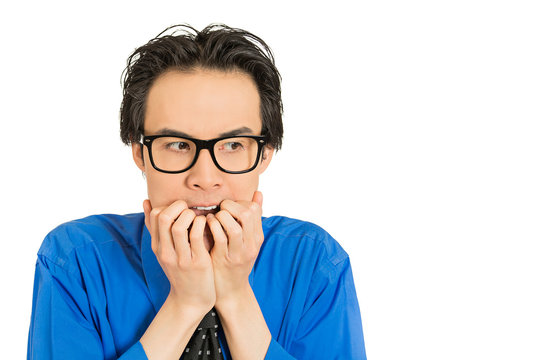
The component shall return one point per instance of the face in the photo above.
(203, 104)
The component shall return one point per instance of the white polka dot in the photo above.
(213, 314)
(203, 337)
(216, 335)
(216, 326)
(220, 350)
(199, 353)
(208, 352)
(187, 349)
(198, 329)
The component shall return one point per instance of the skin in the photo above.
(207, 257)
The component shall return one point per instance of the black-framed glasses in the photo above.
(231, 154)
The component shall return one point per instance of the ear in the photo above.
(266, 156)
(138, 156)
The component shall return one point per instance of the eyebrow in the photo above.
(240, 131)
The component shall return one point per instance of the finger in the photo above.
(179, 233)
(258, 236)
(154, 230)
(147, 210)
(234, 208)
(220, 247)
(233, 230)
(243, 211)
(258, 199)
(165, 221)
(197, 244)
(248, 215)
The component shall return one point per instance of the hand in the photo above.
(177, 241)
(238, 235)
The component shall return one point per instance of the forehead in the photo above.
(203, 103)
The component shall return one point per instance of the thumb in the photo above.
(258, 198)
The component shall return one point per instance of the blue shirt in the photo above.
(98, 286)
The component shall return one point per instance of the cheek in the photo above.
(243, 186)
(163, 189)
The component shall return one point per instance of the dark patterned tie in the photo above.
(204, 343)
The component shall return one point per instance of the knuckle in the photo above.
(194, 238)
(254, 207)
(248, 214)
(220, 240)
(179, 231)
(165, 258)
(250, 253)
(198, 228)
(222, 214)
(200, 219)
(183, 263)
(165, 219)
(185, 219)
(181, 203)
(203, 263)
(231, 258)
(188, 213)
(236, 232)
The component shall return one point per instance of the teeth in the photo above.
(205, 207)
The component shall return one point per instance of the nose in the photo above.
(204, 175)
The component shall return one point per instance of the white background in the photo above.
(418, 133)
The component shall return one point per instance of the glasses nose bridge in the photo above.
(204, 144)
(207, 145)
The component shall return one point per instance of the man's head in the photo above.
(201, 85)
(217, 47)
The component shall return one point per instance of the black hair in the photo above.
(217, 47)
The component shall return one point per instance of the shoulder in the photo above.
(92, 232)
(305, 238)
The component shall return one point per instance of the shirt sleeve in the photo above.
(61, 322)
(330, 326)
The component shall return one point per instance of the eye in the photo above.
(179, 146)
(232, 146)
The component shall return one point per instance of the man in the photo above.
(200, 274)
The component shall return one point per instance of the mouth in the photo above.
(204, 210)
(205, 207)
